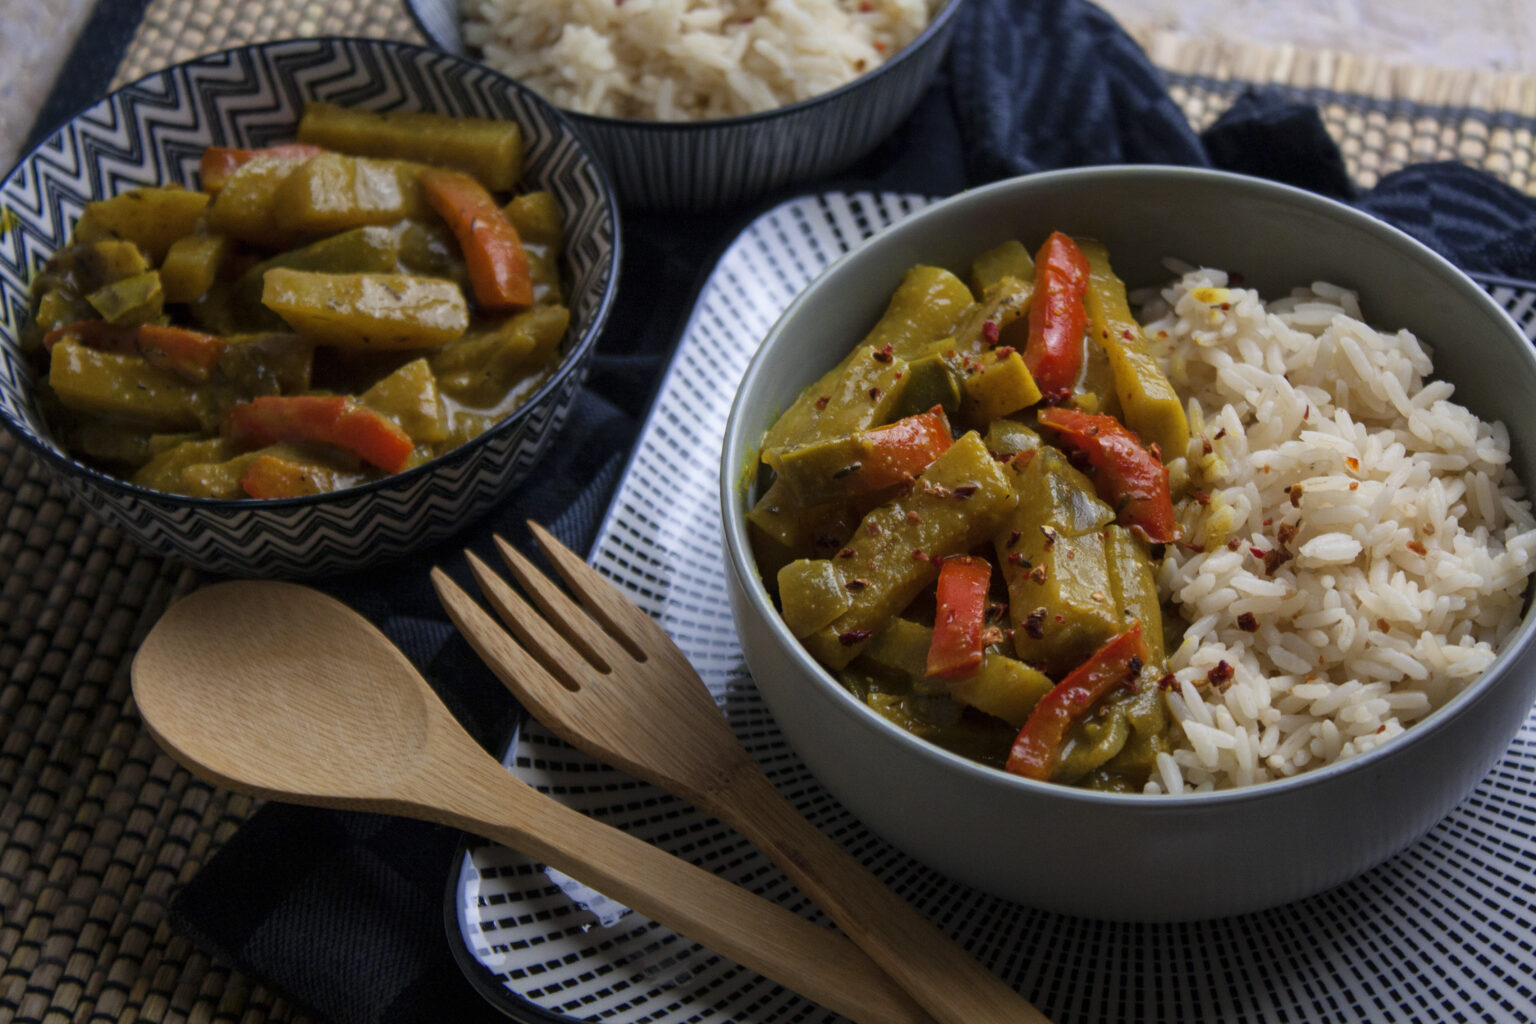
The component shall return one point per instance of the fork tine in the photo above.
(571, 665)
(528, 680)
(625, 621)
(591, 635)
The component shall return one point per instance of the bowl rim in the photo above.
(735, 467)
(937, 25)
(569, 363)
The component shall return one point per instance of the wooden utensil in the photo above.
(280, 691)
(607, 679)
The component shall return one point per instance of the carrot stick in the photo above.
(498, 266)
(192, 354)
(219, 162)
(326, 419)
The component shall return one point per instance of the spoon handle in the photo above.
(947, 981)
(777, 943)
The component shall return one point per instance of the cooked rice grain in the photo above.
(683, 60)
(1406, 542)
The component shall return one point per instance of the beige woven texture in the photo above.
(99, 828)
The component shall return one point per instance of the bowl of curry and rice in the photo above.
(1140, 543)
(701, 104)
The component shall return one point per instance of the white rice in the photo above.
(682, 60)
(1409, 541)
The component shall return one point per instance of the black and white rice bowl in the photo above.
(1187, 856)
(694, 166)
(153, 132)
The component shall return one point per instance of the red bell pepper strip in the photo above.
(325, 419)
(1057, 317)
(498, 266)
(219, 162)
(1128, 476)
(192, 354)
(902, 450)
(1037, 750)
(956, 649)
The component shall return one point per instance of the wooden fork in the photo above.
(608, 680)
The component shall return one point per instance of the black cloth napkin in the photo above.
(345, 912)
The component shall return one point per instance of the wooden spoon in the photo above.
(280, 691)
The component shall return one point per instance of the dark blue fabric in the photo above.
(324, 904)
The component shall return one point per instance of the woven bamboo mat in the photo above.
(98, 827)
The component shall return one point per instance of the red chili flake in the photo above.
(899, 374)
(845, 553)
(854, 636)
(1354, 485)
(1202, 497)
(1168, 681)
(884, 355)
(1221, 433)
(918, 556)
(879, 46)
(1295, 492)
(913, 517)
(1017, 558)
(1156, 450)
(1226, 305)
(1417, 548)
(1234, 544)
(1037, 574)
(857, 583)
(1013, 537)
(1005, 351)
(1268, 522)
(1034, 624)
(1353, 464)
(1257, 552)
(1221, 673)
(965, 491)
(874, 394)
(821, 403)
(1050, 537)
(1248, 623)
(1127, 335)
(1306, 413)
(991, 332)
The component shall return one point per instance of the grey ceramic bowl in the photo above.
(705, 165)
(153, 132)
(1139, 857)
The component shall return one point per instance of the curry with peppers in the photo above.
(965, 514)
(318, 314)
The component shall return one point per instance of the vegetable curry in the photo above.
(319, 314)
(965, 514)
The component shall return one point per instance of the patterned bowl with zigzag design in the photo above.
(153, 132)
